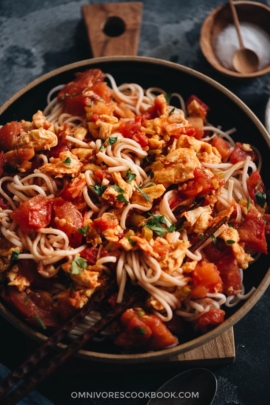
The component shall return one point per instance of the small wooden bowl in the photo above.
(251, 12)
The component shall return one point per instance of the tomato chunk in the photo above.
(105, 222)
(255, 185)
(202, 184)
(68, 219)
(73, 190)
(143, 330)
(35, 304)
(91, 254)
(9, 134)
(252, 231)
(239, 154)
(222, 146)
(230, 274)
(196, 108)
(207, 275)
(33, 214)
(74, 94)
(209, 320)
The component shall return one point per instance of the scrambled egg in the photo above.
(198, 219)
(16, 279)
(205, 152)
(39, 139)
(178, 166)
(230, 235)
(67, 163)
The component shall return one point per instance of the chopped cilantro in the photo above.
(201, 236)
(101, 148)
(132, 242)
(121, 198)
(39, 321)
(146, 196)
(14, 255)
(130, 176)
(172, 111)
(139, 331)
(70, 95)
(26, 300)
(156, 223)
(140, 313)
(83, 230)
(77, 265)
(98, 189)
(112, 140)
(230, 242)
(248, 204)
(150, 185)
(258, 185)
(117, 188)
(67, 161)
(214, 239)
(167, 97)
(260, 199)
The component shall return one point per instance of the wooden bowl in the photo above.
(226, 110)
(251, 12)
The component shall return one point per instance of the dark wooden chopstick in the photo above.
(36, 375)
(209, 232)
(42, 351)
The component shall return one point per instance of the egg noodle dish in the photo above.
(115, 182)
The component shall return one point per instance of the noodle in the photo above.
(106, 196)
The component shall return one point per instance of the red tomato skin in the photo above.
(196, 107)
(65, 210)
(155, 336)
(252, 231)
(230, 274)
(155, 111)
(73, 190)
(238, 154)
(255, 185)
(209, 320)
(9, 134)
(30, 306)
(76, 101)
(105, 222)
(129, 128)
(90, 254)
(33, 214)
(222, 146)
(207, 275)
(200, 185)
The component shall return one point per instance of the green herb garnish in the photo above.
(146, 196)
(15, 255)
(132, 242)
(117, 188)
(230, 242)
(67, 161)
(121, 198)
(101, 148)
(70, 95)
(248, 203)
(201, 236)
(172, 111)
(130, 176)
(77, 265)
(98, 189)
(39, 321)
(140, 314)
(139, 331)
(260, 199)
(214, 239)
(83, 230)
(156, 223)
(112, 140)
(26, 300)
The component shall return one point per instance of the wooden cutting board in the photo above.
(114, 29)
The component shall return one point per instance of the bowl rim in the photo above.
(207, 47)
(247, 305)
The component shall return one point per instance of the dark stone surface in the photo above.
(37, 37)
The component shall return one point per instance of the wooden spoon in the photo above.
(244, 60)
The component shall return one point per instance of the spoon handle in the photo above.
(236, 23)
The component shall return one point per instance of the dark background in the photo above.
(36, 37)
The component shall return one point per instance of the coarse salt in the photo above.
(254, 38)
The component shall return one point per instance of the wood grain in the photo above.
(98, 16)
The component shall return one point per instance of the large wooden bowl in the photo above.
(248, 11)
(226, 110)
